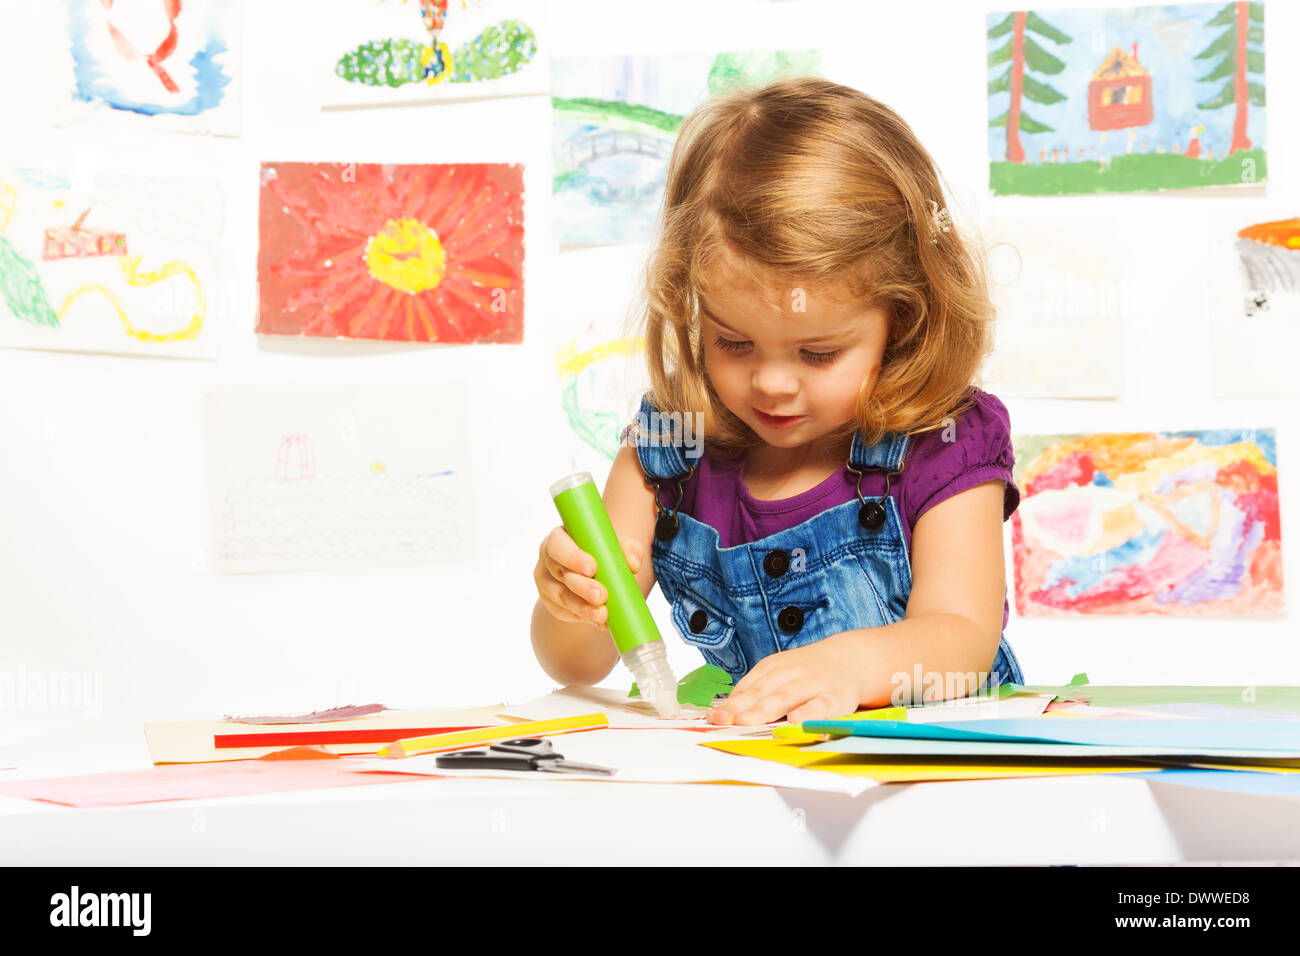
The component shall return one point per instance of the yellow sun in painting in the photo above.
(378, 468)
(406, 255)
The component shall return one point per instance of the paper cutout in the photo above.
(909, 769)
(192, 741)
(193, 782)
(342, 712)
(699, 687)
(301, 753)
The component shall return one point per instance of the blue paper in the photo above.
(1245, 735)
(1234, 781)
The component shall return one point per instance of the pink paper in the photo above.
(192, 781)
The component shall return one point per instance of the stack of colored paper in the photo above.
(1085, 729)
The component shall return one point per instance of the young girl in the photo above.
(811, 310)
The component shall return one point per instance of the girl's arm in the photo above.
(949, 635)
(954, 613)
(574, 652)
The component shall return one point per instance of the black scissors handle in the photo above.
(486, 760)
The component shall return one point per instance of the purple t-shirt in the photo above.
(935, 469)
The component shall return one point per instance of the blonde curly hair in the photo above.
(813, 183)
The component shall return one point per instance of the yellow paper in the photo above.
(911, 770)
(191, 741)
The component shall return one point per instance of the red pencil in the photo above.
(293, 738)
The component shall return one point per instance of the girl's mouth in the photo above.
(778, 421)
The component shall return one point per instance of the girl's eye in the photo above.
(727, 345)
(812, 358)
(821, 358)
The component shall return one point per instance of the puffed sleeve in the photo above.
(974, 448)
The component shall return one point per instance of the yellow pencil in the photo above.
(489, 735)
(796, 734)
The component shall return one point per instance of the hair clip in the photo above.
(940, 219)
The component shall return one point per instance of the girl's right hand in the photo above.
(565, 579)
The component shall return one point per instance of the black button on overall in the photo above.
(790, 619)
(776, 563)
(872, 516)
(699, 621)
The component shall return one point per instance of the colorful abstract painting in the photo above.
(158, 64)
(614, 123)
(389, 52)
(1183, 523)
(126, 266)
(316, 478)
(1126, 99)
(1253, 277)
(418, 253)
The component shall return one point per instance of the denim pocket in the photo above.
(701, 624)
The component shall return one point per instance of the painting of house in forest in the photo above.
(1126, 99)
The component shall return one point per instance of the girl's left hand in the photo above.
(817, 682)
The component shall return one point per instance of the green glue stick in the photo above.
(640, 645)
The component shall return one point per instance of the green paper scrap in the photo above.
(699, 687)
(1258, 697)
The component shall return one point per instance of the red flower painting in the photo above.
(421, 253)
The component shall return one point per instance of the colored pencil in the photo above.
(490, 735)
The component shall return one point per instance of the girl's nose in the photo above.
(774, 379)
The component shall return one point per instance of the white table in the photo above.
(1093, 819)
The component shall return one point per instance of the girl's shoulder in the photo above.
(972, 446)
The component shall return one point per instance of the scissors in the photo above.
(521, 753)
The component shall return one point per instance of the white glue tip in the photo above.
(666, 704)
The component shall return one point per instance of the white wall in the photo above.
(101, 481)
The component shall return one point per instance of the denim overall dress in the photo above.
(843, 569)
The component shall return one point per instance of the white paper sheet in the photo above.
(106, 78)
(972, 708)
(1254, 325)
(649, 756)
(125, 265)
(315, 478)
(621, 710)
(1059, 289)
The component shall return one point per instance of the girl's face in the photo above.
(790, 363)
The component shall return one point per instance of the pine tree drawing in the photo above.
(1021, 51)
(1245, 23)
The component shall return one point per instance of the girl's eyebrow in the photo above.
(825, 337)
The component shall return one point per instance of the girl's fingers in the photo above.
(789, 696)
(563, 551)
(632, 552)
(563, 602)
